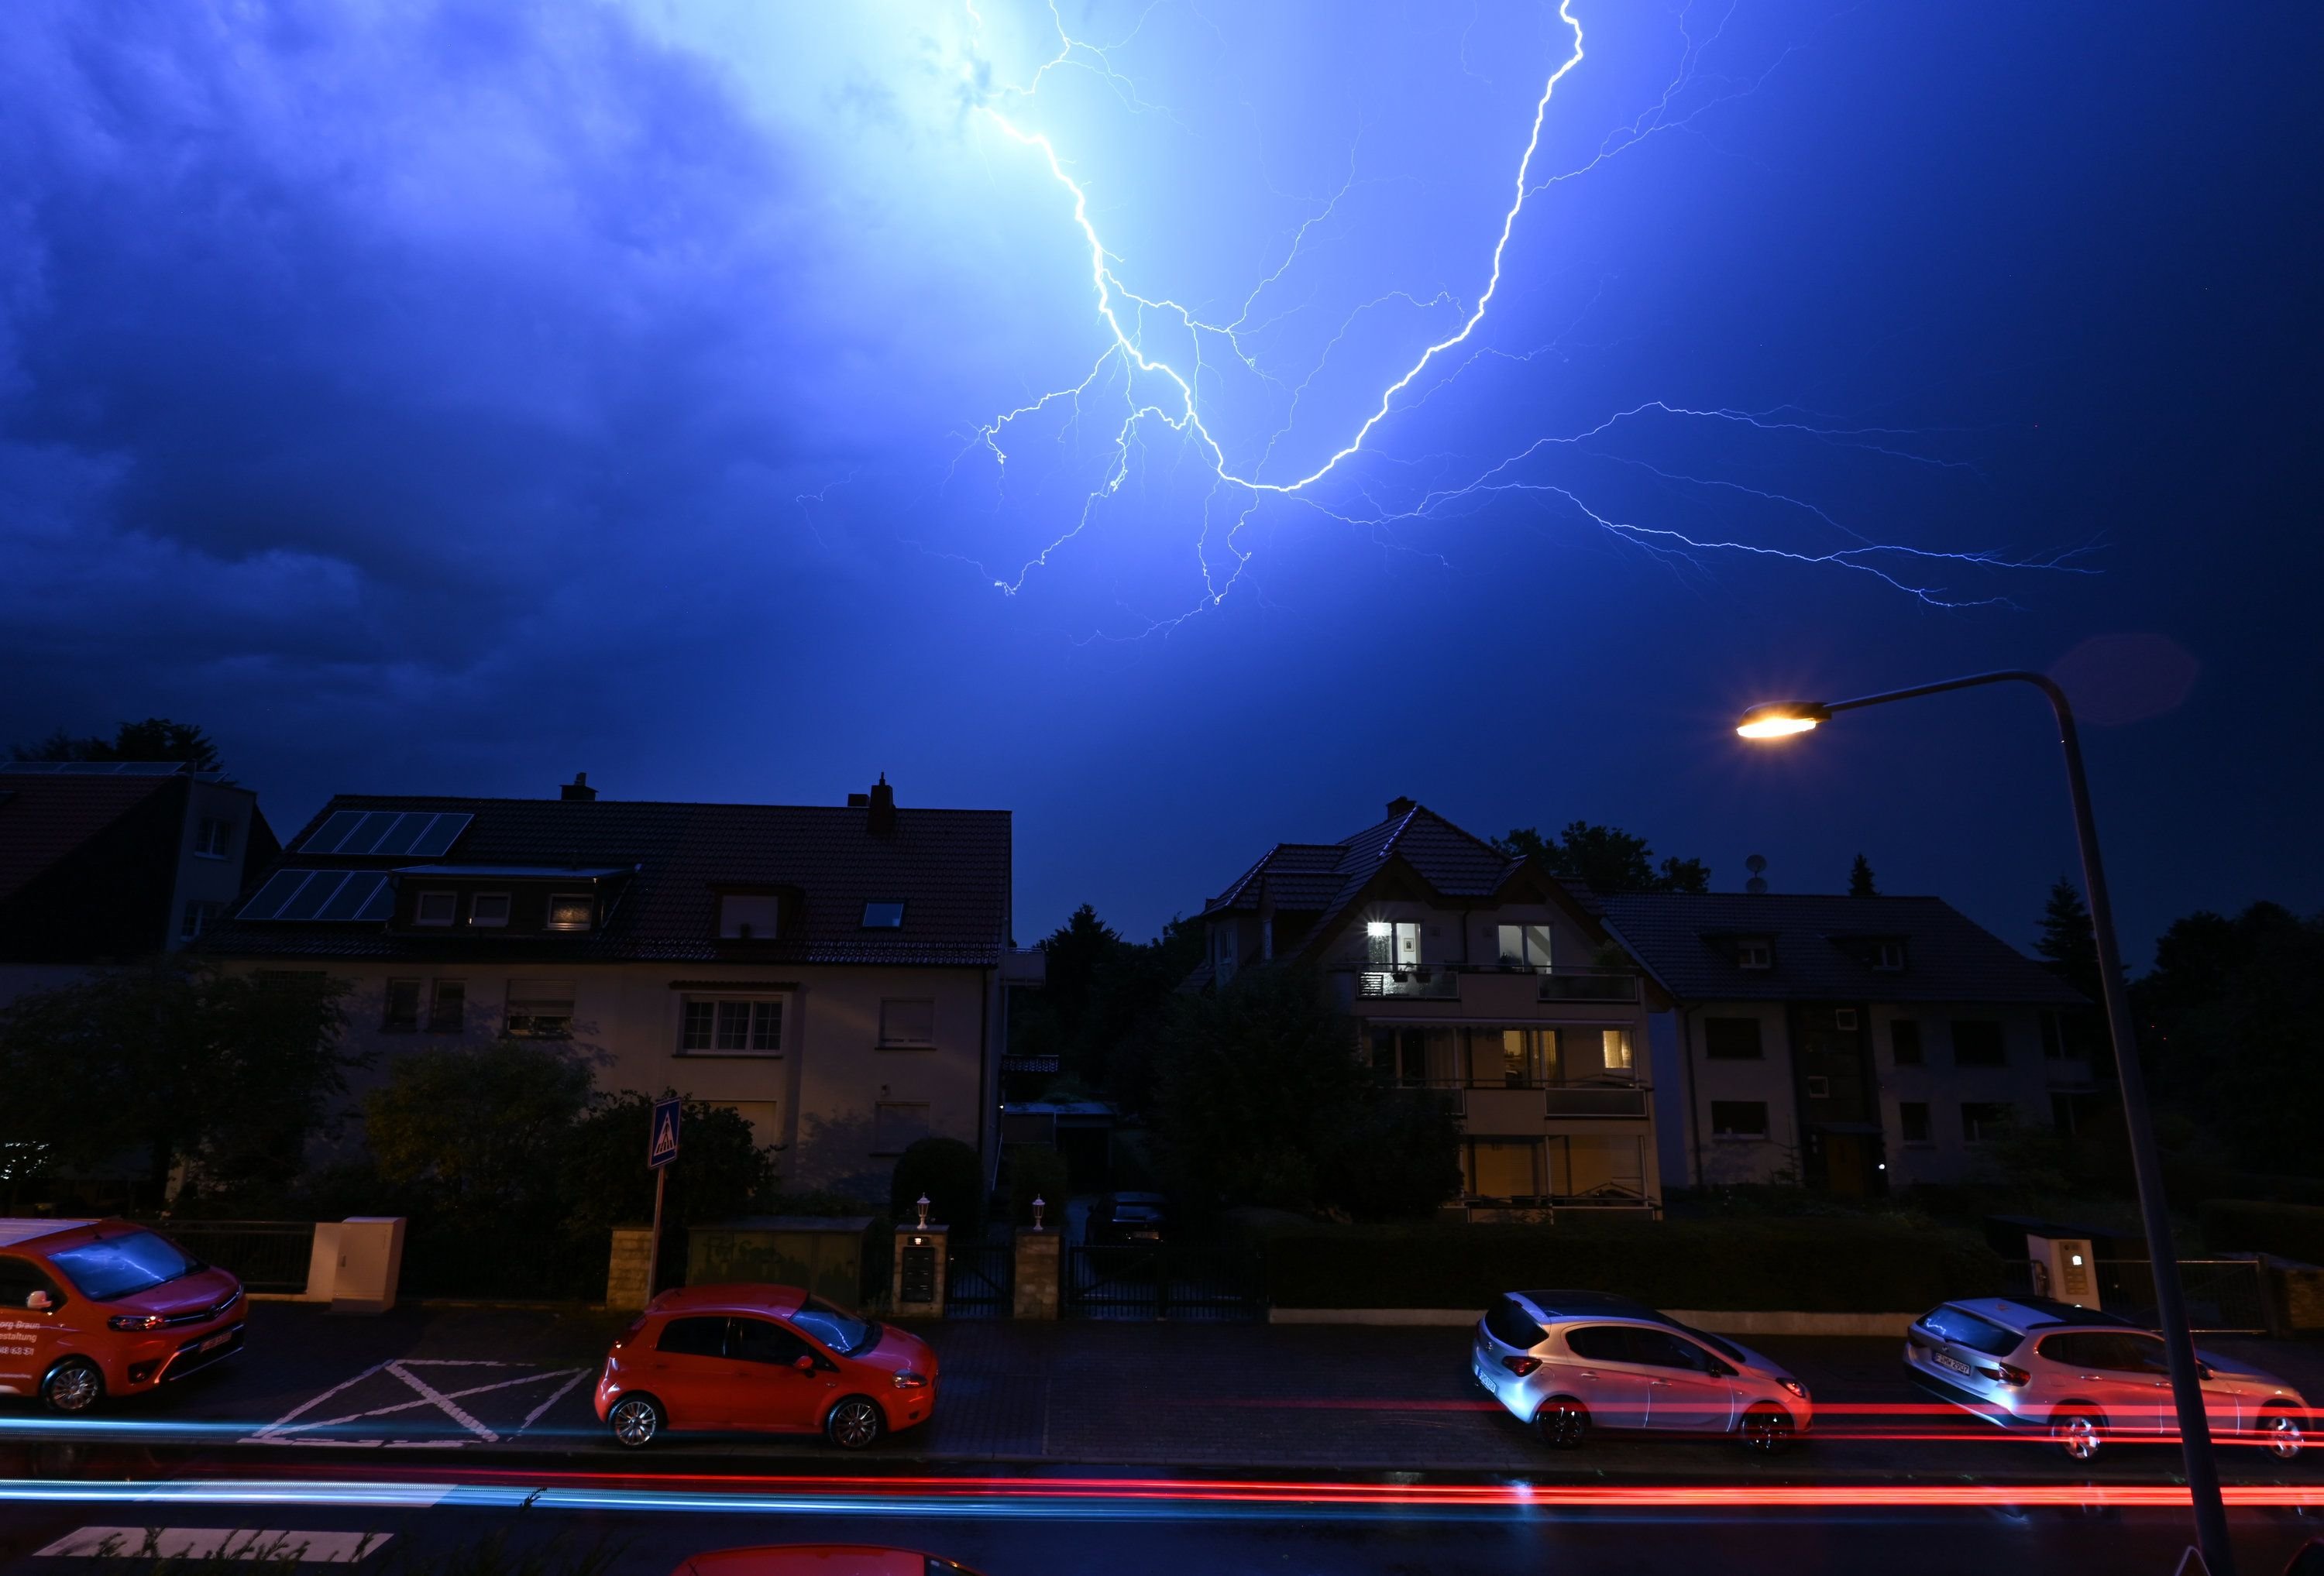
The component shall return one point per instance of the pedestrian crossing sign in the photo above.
(662, 1148)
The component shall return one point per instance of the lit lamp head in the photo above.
(1779, 719)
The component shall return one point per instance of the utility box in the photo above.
(916, 1290)
(2064, 1268)
(370, 1263)
(824, 1257)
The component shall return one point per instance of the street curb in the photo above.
(1723, 1323)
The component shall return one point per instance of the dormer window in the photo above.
(883, 917)
(749, 917)
(572, 911)
(436, 909)
(1888, 957)
(489, 910)
(1754, 953)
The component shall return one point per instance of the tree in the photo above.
(2067, 946)
(949, 1175)
(178, 1063)
(154, 739)
(1101, 1001)
(1606, 859)
(1859, 879)
(1260, 1099)
(721, 1170)
(480, 1130)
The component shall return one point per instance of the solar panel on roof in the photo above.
(380, 907)
(406, 831)
(363, 837)
(307, 900)
(330, 896)
(269, 898)
(441, 834)
(327, 837)
(352, 898)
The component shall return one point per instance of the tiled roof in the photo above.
(44, 817)
(1822, 950)
(950, 869)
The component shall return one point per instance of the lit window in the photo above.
(435, 909)
(714, 1026)
(213, 838)
(571, 911)
(749, 917)
(1524, 946)
(1616, 1045)
(883, 915)
(1392, 944)
(489, 908)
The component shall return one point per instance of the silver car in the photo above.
(1567, 1362)
(2087, 1376)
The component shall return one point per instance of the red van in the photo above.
(96, 1308)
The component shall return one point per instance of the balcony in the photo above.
(1441, 982)
(1611, 1099)
(1428, 982)
(1590, 985)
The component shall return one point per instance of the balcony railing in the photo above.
(1593, 985)
(1432, 981)
(1441, 982)
(1597, 1100)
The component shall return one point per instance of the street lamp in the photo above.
(1781, 719)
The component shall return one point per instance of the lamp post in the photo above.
(1780, 719)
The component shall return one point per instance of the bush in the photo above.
(2248, 1226)
(1807, 1264)
(1037, 1171)
(951, 1176)
(720, 1171)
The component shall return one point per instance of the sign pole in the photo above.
(653, 1250)
(661, 1148)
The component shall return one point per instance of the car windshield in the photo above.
(1726, 1348)
(839, 1330)
(115, 1266)
(1963, 1328)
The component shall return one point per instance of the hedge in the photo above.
(1810, 1264)
(2232, 1225)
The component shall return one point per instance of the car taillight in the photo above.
(1520, 1366)
(906, 1379)
(623, 1338)
(2007, 1373)
(136, 1321)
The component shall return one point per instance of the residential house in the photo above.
(1851, 1043)
(1473, 974)
(106, 861)
(834, 973)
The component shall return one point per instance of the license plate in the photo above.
(1954, 1363)
(1484, 1377)
(214, 1342)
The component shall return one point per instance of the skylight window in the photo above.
(883, 917)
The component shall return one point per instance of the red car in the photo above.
(96, 1308)
(819, 1560)
(763, 1358)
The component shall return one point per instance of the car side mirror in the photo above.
(39, 1301)
(2205, 1371)
(804, 1365)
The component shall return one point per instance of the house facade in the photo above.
(108, 861)
(1855, 1044)
(833, 975)
(1479, 976)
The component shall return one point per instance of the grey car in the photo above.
(1571, 1363)
(2086, 1376)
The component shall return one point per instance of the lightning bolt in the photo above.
(1156, 388)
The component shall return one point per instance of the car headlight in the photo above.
(136, 1321)
(1796, 1388)
(906, 1379)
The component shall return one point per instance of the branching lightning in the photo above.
(1155, 353)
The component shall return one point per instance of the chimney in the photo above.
(1400, 806)
(578, 791)
(881, 818)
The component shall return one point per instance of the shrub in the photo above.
(1807, 1264)
(951, 1175)
(2248, 1226)
(1037, 1171)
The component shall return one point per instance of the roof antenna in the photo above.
(1757, 865)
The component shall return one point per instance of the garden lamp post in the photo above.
(1780, 719)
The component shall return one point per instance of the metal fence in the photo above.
(978, 1278)
(265, 1256)
(1185, 1282)
(2224, 1295)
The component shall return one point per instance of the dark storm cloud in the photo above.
(323, 330)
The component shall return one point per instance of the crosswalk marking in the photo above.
(204, 1543)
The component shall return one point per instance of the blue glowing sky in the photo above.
(716, 398)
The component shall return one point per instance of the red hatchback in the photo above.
(762, 1358)
(96, 1308)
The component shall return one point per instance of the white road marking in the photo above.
(563, 1390)
(204, 1543)
(289, 1430)
(444, 1403)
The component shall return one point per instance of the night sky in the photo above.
(445, 398)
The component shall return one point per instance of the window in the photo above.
(766, 1342)
(1513, 1326)
(896, 1125)
(489, 908)
(1602, 1343)
(199, 916)
(743, 916)
(1905, 1041)
(844, 1333)
(1754, 952)
(1977, 1042)
(1731, 1039)
(883, 917)
(434, 907)
(572, 911)
(697, 1336)
(1661, 1348)
(540, 1009)
(1843, 1019)
(1525, 946)
(1818, 1088)
(402, 1013)
(1505, 1168)
(1963, 1328)
(1392, 944)
(907, 1023)
(1913, 1118)
(212, 838)
(1982, 1123)
(447, 1010)
(1615, 1043)
(732, 1025)
(1888, 957)
(1738, 1118)
(1520, 1065)
(19, 1279)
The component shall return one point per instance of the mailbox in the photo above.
(919, 1272)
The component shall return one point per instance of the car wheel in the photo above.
(1767, 1430)
(74, 1385)
(636, 1421)
(856, 1424)
(2079, 1434)
(1562, 1423)
(2279, 1432)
